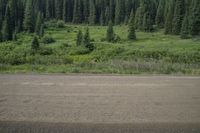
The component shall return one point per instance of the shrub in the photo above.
(47, 39)
(60, 24)
(68, 60)
(45, 51)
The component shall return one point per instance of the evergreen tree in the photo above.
(195, 18)
(107, 15)
(160, 14)
(112, 10)
(185, 27)
(86, 40)
(59, 9)
(65, 11)
(35, 44)
(119, 12)
(48, 9)
(178, 16)
(41, 33)
(102, 18)
(169, 18)
(1, 37)
(110, 33)
(79, 38)
(29, 17)
(92, 17)
(77, 12)
(131, 34)
(7, 29)
(13, 13)
(39, 23)
(86, 11)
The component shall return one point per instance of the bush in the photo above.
(81, 50)
(45, 51)
(60, 24)
(47, 39)
(68, 60)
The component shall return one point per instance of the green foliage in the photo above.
(60, 24)
(86, 40)
(132, 35)
(29, 17)
(110, 33)
(185, 31)
(79, 38)
(178, 17)
(92, 14)
(39, 24)
(195, 18)
(35, 44)
(47, 39)
(7, 29)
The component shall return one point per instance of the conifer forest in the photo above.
(100, 36)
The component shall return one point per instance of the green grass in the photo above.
(151, 53)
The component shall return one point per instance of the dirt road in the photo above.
(118, 100)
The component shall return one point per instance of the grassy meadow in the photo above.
(151, 53)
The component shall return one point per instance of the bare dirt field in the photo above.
(99, 104)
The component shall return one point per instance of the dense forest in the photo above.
(178, 17)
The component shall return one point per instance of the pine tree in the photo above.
(86, 11)
(86, 40)
(107, 15)
(102, 18)
(79, 37)
(35, 44)
(132, 35)
(92, 17)
(195, 18)
(65, 11)
(112, 11)
(178, 17)
(48, 9)
(13, 13)
(1, 37)
(185, 28)
(160, 14)
(119, 12)
(110, 33)
(41, 33)
(169, 18)
(59, 9)
(7, 29)
(29, 17)
(39, 23)
(77, 12)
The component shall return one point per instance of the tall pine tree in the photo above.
(29, 17)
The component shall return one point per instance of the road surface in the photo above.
(95, 104)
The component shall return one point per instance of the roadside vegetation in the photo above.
(98, 36)
(151, 53)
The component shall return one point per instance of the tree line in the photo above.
(177, 17)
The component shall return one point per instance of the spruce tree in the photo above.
(169, 18)
(35, 44)
(59, 9)
(110, 33)
(86, 11)
(119, 12)
(79, 38)
(102, 19)
(107, 15)
(48, 9)
(65, 11)
(185, 27)
(77, 12)
(195, 18)
(7, 28)
(160, 14)
(41, 33)
(178, 16)
(39, 23)
(92, 17)
(86, 41)
(131, 34)
(29, 17)
(1, 37)
(112, 10)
